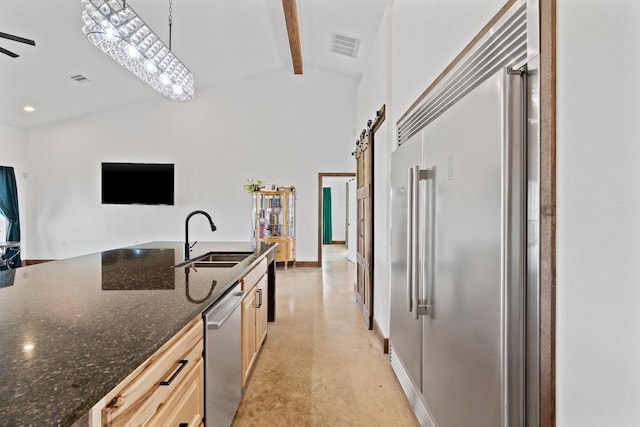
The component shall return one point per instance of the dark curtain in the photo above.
(9, 209)
(326, 216)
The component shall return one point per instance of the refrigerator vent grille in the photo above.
(504, 45)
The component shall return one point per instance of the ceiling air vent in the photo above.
(345, 45)
(80, 78)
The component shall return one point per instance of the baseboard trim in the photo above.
(384, 342)
(307, 264)
(35, 261)
(338, 242)
(414, 396)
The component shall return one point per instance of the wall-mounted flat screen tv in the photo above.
(137, 183)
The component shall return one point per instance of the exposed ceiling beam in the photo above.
(291, 18)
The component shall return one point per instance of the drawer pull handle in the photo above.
(182, 363)
(259, 298)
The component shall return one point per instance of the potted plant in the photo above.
(252, 185)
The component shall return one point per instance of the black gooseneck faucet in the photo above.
(187, 247)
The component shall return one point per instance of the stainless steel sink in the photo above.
(216, 260)
(215, 264)
(223, 257)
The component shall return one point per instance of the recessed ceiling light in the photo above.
(29, 109)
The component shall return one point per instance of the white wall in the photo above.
(267, 127)
(338, 205)
(374, 92)
(339, 211)
(13, 152)
(427, 36)
(598, 224)
(352, 244)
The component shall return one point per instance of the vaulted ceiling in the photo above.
(217, 39)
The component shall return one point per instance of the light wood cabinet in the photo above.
(169, 385)
(274, 220)
(249, 348)
(261, 311)
(254, 317)
(185, 406)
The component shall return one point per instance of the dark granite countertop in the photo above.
(71, 330)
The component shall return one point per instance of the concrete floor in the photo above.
(320, 366)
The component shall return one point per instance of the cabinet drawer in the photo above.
(185, 405)
(144, 392)
(252, 277)
(282, 251)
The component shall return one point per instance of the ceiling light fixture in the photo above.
(115, 28)
(29, 109)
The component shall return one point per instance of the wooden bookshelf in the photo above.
(274, 220)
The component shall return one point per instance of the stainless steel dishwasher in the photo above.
(223, 371)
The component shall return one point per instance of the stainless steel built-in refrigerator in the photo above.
(463, 281)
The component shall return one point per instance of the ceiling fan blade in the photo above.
(17, 39)
(8, 52)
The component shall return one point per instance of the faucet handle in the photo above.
(191, 246)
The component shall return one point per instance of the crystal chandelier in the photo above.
(116, 29)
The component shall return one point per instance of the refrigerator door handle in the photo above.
(427, 282)
(410, 239)
(431, 239)
(414, 288)
(415, 195)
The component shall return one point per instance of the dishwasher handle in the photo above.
(222, 311)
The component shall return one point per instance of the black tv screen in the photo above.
(137, 183)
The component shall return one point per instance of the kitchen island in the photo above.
(72, 330)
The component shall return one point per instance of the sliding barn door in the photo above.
(364, 210)
(364, 255)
